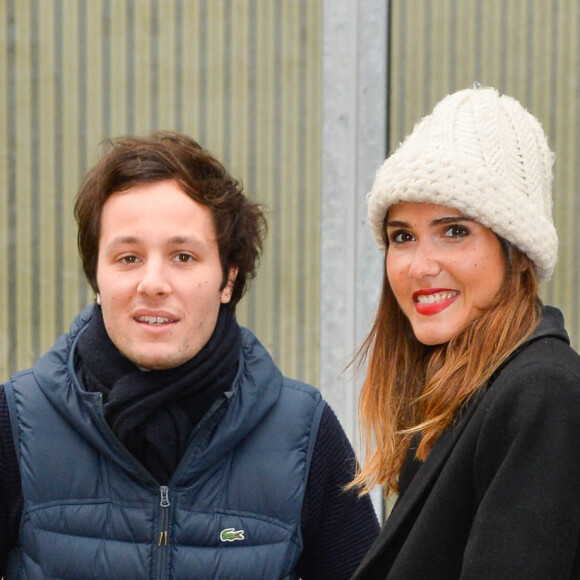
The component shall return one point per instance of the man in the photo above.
(157, 439)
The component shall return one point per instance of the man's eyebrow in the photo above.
(193, 241)
(120, 240)
(174, 241)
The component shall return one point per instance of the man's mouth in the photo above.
(153, 320)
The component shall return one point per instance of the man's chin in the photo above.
(157, 362)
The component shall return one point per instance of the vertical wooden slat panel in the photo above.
(214, 62)
(12, 155)
(71, 160)
(526, 48)
(22, 188)
(120, 57)
(44, 119)
(94, 121)
(241, 76)
(58, 161)
(242, 94)
(191, 71)
(571, 189)
(286, 218)
(266, 108)
(262, 138)
(35, 303)
(142, 106)
(312, 148)
(5, 32)
(486, 55)
(565, 283)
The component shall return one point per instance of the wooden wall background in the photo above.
(243, 77)
(529, 49)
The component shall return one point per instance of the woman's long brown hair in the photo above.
(415, 390)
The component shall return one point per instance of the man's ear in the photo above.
(98, 298)
(229, 287)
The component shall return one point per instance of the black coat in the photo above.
(498, 498)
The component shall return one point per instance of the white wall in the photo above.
(353, 146)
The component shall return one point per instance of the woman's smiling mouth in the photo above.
(432, 302)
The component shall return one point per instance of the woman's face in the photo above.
(444, 268)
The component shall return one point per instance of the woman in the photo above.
(471, 404)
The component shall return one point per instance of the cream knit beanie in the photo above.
(484, 155)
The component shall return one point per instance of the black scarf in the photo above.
(153, 412)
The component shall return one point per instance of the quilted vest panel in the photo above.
(95, 515)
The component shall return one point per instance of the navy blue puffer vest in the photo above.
(231, 510)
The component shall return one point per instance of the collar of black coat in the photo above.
(551, 325)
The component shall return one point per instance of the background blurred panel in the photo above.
(528, 49)
(243, 77)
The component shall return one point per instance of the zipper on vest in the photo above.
(164, 503)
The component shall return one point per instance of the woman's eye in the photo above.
(456, 231)
(400, 237)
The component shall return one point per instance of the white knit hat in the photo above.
(484, 155)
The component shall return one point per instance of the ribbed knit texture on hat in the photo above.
(484, 155)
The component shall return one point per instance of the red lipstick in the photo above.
(431, 301)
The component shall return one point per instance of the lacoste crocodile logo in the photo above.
(231, 535)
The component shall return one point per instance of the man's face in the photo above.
(159, 274)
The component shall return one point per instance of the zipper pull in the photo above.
(164, 503)
(162, 539)
(164, 497)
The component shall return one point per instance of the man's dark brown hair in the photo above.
(239, 223)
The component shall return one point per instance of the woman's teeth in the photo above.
(437, 297)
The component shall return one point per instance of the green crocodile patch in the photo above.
(231, 535)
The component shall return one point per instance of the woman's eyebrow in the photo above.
(435, 222)
(396, 224)
(451, 220)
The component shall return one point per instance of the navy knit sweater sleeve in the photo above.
(337, 527)
(10, 488)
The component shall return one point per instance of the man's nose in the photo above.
(154, 278)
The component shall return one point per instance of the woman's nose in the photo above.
(424, 262)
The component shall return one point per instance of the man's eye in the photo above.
(129, 259)
(184, 258)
